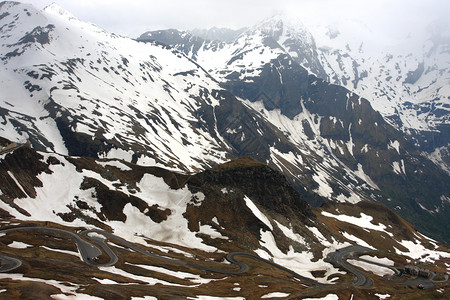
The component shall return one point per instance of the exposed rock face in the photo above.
(24, 164)
(262, 184)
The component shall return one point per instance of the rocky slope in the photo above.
(168, 224)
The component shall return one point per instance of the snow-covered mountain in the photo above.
(319, 118)
(68, 81)
(75, 89)
(126, 188)
(406, 80)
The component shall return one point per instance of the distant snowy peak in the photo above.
(57, 10)
(169, 37)
(296, 40)
(283, 24)
(352, 32)
(218, 34)
(406, 80)
(6, 5)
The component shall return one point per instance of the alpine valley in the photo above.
(220, 164)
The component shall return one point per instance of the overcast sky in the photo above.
(133, 17)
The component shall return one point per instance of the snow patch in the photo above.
(394, 145)
(350, 143)
(365, 149)
(19, 245)
(361, 174)
(385, 261)
(363, 221)
(417, 251)
(324, 188)
(275, 295)
(257, 212)
(377, 270)
(358, 241)
(327, 297)
(77, 254)
(208, 230)
(76, 296)
(302, 263)
(396, 167)
(289, 233)
(105, 281)
(178, 274)
(382, 296)
(203, 297)
(145, 279)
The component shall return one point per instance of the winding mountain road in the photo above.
(90, 252)
(339, 257)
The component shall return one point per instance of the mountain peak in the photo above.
(8, 5)
(281, 23)
(218, 34)
(57, 10)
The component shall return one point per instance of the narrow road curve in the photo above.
(338, 257)
(90, 252)
(8, 263)
(87, 251)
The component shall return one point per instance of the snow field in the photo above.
(364, 221)
(299, 262)
(197, 279)
(97, 49)
(257, 212)
(61, 188)
(384, 260)
(378, 270)
(418, 252)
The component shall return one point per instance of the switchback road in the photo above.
(90, 252)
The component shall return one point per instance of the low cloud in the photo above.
(133, 17)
